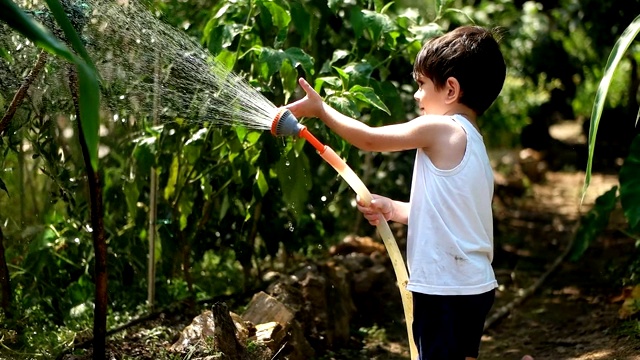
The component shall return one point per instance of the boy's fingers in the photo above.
(311, 92)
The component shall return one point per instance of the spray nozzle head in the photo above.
(285, 124)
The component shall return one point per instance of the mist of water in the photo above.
(153, 69)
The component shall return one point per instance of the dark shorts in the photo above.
(449, 327)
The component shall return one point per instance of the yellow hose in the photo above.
(390, 243)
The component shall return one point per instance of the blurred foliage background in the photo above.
(233, 202)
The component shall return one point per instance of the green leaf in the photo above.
(357, 22)
(279, 15)
(41, 36)
(224, 207)
(333, 81)
(289, 78)
(3, 186)
(270, 61)
(298, 57)
(89, 100)
(144, 155)
(89, 97)
(186, 208)
(630, 185)
(261, 182)
(301, 20)
(131, 193)
(222, 36)
(593, 223)
(376, 24)
(343, 76)
(344, 105)
(617, 53)
(170, 189)
(367, 95)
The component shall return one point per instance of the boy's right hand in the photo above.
(380, 208)
(311, 105)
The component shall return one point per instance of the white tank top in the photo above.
(450, 231)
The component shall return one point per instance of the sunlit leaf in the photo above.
(279, 15)
(170, 189)
(298, 57)
(289, 78)
(630, 185)
(186, 208)
(377, 24)
(344, 105)
(369, 96)
(332, 81)
(261, 182)
(131, 193)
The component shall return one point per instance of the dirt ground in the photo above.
(572, 315)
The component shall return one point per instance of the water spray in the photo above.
(285, 124)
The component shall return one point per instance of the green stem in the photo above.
(246, 25)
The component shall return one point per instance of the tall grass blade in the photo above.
(615, 56)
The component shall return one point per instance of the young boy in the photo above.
(449, 216)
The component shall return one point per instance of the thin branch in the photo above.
(22, 91)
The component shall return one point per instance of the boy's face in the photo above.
(429, 99)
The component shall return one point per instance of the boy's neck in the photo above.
(466, 112)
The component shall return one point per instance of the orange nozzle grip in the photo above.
(304, 133)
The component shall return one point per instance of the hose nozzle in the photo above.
(285, 124)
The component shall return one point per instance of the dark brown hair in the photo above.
(470, 54)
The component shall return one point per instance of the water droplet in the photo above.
(287, 163)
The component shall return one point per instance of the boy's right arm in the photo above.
(423, 132)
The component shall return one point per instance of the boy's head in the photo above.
(470, 54)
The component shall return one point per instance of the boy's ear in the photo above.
(453, 90)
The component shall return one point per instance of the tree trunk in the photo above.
(99, 240)
(5, 281)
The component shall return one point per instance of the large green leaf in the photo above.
(594, 222)
(271, 60)
(279, 15)
(630, 185)
(618, 51)
(24, 24)
(367, 95)
(89, 98)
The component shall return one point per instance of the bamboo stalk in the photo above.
(153, 196)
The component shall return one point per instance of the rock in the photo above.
(277, 327)
(214, 326)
